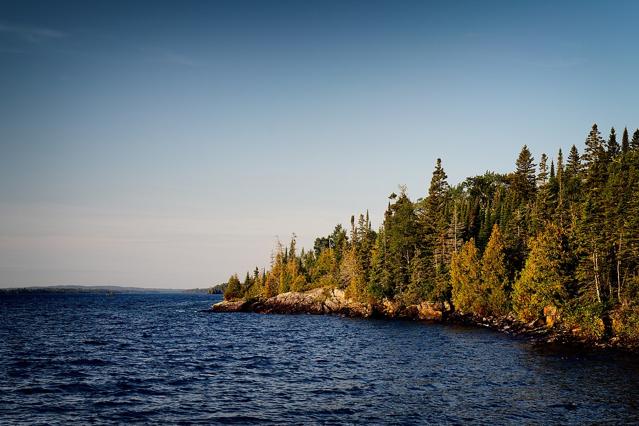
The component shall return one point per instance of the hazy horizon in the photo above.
(167, 145)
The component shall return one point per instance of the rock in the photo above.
(552, 315)
(315, 301)
(431, 311)
(390, 308)
(335, 302)
(230, 306)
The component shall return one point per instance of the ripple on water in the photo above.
(162, 358)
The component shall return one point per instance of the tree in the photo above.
(573, 167)
(352, 275)
(542, 177)
(494, 275)
(379, 283)
(594, 152)
(435, 230)
(635, 140)
(466, 279)
(420, 287)
(524, 184)
(546, 275)
(613, 149)
(233, 288)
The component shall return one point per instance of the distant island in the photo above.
(553, 245)
(108, 289)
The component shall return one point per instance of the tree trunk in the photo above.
(595, 264)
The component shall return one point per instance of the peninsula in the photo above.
(550, 248)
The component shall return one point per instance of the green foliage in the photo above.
(545, 278)
(494, 275)
(584, 319)
(465, 276)
(625, 323)
(233, 288)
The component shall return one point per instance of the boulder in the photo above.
(433, 311)
(230, 306)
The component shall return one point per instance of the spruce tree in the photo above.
(542, 177)
(573, 167)
(494, 275)
(545, 279)
(613, 149)
(233, 288)
(465, 278)
(594, 152)
(524, 177)
(435, 226)
(634, 144)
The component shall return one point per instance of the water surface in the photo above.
(92, 358)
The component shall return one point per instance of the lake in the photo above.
(93, 358)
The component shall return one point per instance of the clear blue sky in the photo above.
(167, 144)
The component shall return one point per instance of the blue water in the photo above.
(90, 358)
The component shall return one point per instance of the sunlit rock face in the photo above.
(334, 301)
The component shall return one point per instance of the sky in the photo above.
(169, 144)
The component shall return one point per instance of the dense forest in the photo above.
(556, 235)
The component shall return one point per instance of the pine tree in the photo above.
(402, 233)
(379, 285)
(542, 177)
(233, 288)
(524, 177)
(351, 275)
(494, 275)
(465, 277)
(545, 278)
(594, 152)
(572, 185)
(613, 149)
(573, 167)
(592, 241)
(635, 140)
(435, 229)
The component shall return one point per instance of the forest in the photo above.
(558, 234)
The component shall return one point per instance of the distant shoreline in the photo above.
(98, 290)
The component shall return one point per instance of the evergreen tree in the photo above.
(573, 167)
(494, 275)
(542, 177)
(613, 149)
(420, 287)
(233, 288)
(635, 140)
(435, 230)
(466, 279)
(546, 275)
(594, 152)
(401, 230)
(379, 283)
(524, 178)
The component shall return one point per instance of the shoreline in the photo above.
(323, 301)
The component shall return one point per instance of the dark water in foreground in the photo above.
(157, 358)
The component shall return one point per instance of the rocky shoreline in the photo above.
(324, 301)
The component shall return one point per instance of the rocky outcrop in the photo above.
(232, 306)
(317, 301)
(334, 301)
(321, 301)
